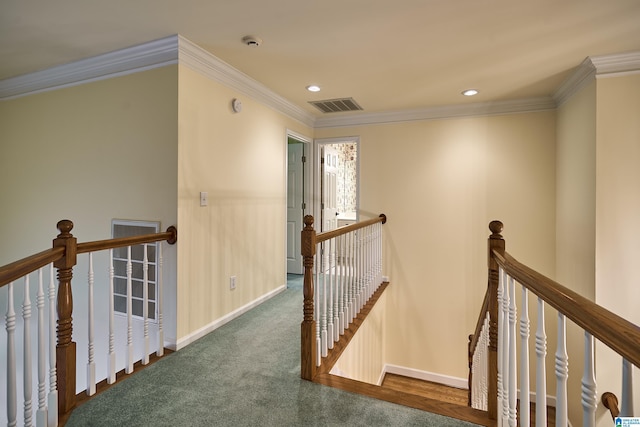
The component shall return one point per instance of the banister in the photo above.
(321, 237)
(473, 339)
(610, 401)
(171, 236)
(24, 266)
(619, 334)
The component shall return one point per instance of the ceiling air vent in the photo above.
(336, 105)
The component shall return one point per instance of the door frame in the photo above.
(318, 143)
(308, 180)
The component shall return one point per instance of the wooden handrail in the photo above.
(24, 266)
(610, 401)
(171, 236)
(321, 237)
(619, 334)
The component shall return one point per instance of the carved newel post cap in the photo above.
(308, 221)
(496, 227)
(65, 226)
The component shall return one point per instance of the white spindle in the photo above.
(541, 367)
(562, 372)
(317, 306)
(350, 266)
(341, 257)
(41, 414)
(504, 328)
(12, 398)
(323, 317)
(513, 386)
(129, 366)
(589, 397)
(111, 360)
(145, 304)
(524, 359)
(159, 293)
(626, 404)
(335, 290)
(501, 338)
(27, 369)
(52, 407)
(91, 364)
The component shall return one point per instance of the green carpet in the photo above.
(246, 373)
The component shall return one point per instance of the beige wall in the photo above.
(239, 159)
(440, 183)
(575, 225)
(617, 214)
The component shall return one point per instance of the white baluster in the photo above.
(323, 317)
(41, 414)
(501, 396)
(562, 372)
(317, 306)
(626, 404)
(350, 293)
(91, 364)
(111, 361)
(524, 359)
(329, 272)
(52, 407)
(145, 304)
(159, 302)
(589, 397)
(505, 351)
(541, 367)
(513, 386)
(129, 367)
(12, 398)
(336, 295)
(341, 257)
(27, 378)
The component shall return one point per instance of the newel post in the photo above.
(496, 243)
(308, 326)
(66, 349)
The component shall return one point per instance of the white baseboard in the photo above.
(188, 339)
(426, 376)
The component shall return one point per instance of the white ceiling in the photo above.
(388, 55)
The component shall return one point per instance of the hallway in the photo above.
(246, 373)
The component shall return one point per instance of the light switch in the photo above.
(204, 198)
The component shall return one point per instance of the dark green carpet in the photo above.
(246, 373)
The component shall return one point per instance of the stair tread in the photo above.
(426, 389)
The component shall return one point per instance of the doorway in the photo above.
(337, 169)
(298, 190)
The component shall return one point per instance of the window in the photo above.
(120, 257)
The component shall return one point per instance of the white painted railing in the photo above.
(343, 269)
(348, 269)
(34, 398)
(44, 360)
(511, 382)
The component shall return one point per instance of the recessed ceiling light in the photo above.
(313, 88)
(470, 92)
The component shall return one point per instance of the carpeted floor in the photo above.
(246, 373)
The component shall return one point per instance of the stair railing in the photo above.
(55, 347)
(342, 270)
(497, 337)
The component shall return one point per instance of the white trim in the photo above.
(442, 112)
(584, 74)
(146, 56)
(450, 381)
(188, 339)
(203, 62)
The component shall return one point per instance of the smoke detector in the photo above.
(252, 41)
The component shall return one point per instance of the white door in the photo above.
(329, 191)
(295, 207)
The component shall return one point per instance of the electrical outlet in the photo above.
(204, 198)
(232, 283)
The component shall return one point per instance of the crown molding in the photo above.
(146, 56)
(594, 67)
(203, 62)
(443, 112)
